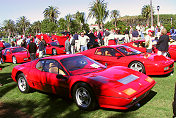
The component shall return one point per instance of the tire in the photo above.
(168, 55)
(84, 97)
(22, 84)
(14, 60)
(54, 52)
(137, 66)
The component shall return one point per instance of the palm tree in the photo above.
(36, 26)
(51, 13)
(146, 12)
(68, 21)
(9, 26)
(22, 24)
(98, 10)
(80, 18)
(114, 15)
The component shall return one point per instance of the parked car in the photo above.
(86, 81)
(140, 45)
(54, 48)
(15, 55)
(121, 55)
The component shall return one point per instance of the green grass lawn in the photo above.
(158, 104)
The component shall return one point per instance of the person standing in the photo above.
(41, 48)
(83, 40)
(24, 43)
(72, 43)
(106, 37)
(75, 36)
(126, 35)
(67, 46)
(44, 42)
(135, 35)
(162, 44)
(32, 48)
(148, 42)
(1, 48)
(130, 32)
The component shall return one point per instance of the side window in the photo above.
(7, 51)
(40, 65)
(110, 52)
(53, 66)
(99, 52)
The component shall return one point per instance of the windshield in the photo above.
(128, 50)
(81, 65)
(54, 43)
(14, 50)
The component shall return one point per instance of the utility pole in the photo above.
(158, 7)
(151, 13)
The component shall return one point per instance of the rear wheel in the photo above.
(137, 66)
(84, 97)
(168, 55)
(14, 60)
(54, 51)
(22, 84)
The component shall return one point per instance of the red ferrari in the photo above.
(140, 45)
(15, 55)
(86, 81)
(54, 48)
(121, 55)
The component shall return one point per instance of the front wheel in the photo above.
(22, 84)
(54, 51)
(14, 60)
(137, 66)
(84, 97)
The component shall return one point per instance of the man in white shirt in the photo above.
(148, 41)
(83, 40)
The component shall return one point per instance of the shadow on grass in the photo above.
(5, 78)
(7, 88)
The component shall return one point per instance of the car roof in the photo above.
(60, 57)
(111, 46)
(13, 47)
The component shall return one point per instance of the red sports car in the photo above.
(54, 48)
(121, 55)
(86, 81)
(140, 45)
(15, 55)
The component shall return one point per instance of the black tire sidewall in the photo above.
(93, 103)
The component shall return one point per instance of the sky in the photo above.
(33, 9)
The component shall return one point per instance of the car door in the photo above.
(7, 56)
(56, 82)
(109, 56)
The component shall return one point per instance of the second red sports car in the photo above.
(15, 55)
(54, 48)
(121, 55)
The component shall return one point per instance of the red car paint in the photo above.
(54, 46)
(153, 64)
(107, 84)
(141, 47)
(21, 54)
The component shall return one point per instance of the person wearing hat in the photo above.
(148, 42)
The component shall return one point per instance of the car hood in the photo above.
(117, 79)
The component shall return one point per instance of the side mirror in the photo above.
(8, 52)
(118, 55)
(59, 76)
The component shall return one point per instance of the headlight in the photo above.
(148, 79)
(129, 91)
(166, 68)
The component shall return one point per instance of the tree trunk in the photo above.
(115, 22)
(148, 21)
